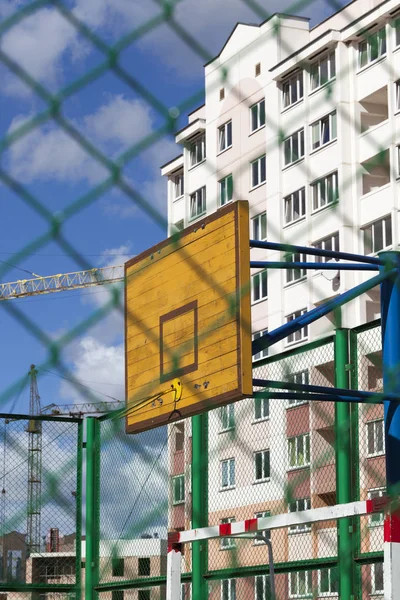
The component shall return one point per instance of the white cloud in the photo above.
(101, 365)
(114, 256)
(38, 43)
(121, 120)
(50, 153)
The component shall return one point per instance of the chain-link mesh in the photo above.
(367, 375)
(41, 505)
(265, 455)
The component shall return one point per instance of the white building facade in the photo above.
(305, 125)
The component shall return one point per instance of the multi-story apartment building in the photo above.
(305, 125)
(142, 557)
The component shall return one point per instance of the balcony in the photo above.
(375, 172)
(374, 109)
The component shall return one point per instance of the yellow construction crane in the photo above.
(61, 283)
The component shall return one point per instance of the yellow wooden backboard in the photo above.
(187, 321)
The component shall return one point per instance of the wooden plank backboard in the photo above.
(187, 321)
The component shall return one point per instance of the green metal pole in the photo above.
(199, 503)
(91, 557)
(343, 449)
(78, 509)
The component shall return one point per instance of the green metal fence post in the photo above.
(199, 503)
(92, 509)
(343, 449)
(78, 509)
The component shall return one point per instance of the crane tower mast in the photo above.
(34, 468)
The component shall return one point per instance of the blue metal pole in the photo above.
(390, 315)
(316, 313)
(306, 397)
(319, 389)
(316, 252)
(318, 266)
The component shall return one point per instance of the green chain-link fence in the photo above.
(139, 486)
(264, 455)
(41, 509)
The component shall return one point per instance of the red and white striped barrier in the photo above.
(315, 515)
(391, 556)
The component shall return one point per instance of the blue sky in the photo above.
(52, 167)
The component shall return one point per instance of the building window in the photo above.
(323, 131)
(257, 69)
(299, 451)
(178, 185)
(372, 48)
(262, 471)
(377, 578)
(258, 171)
(295, 273)
(227, 414)
(221, 93)
(328, 582)
(375, 437)
(257, 115)
(398, 160)
(178, 489)
(117, 567)
(397, 29)
(325, 191)
(295, 206)
(197, 150)
(117, 595)
(331, 243)
(397, 91)
(259, 286)
(378, 235)
(267, 532)
(144, 595)
(263, 353)
(301, 377)
(300, 584)
(227, 543)
(198, 203)
(260, 227)
(293, 89)
(228, 589)
(376, 518)
(301, 334)
(179, 436)
(296, 506)
(262, 587)
(144, 567)
(261, 409)
(225, 136)
(225, 190)
(293, 147)
(322, 71)
(228, 473)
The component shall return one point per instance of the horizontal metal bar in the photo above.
(317, 397)
(38, 587)
(331, 391)
(310, 316)
(18, 417)
(286, 567)
(316, 252)
(339, 266)
(132, 584)
(307, 347)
